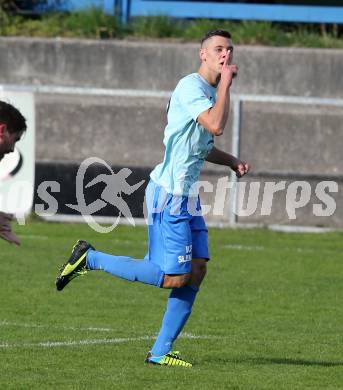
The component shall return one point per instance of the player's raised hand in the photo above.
(5, 228)
(229, 71)
(241, 168)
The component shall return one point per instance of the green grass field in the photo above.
(269, 315)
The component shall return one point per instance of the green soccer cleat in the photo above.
(75, 265)
(171, 359)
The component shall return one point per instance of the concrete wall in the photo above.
(125, 131)
(158, 66)
(284, 141)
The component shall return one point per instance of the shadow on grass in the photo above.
(286, 361)
(296, 362)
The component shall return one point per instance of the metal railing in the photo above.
(233, 11)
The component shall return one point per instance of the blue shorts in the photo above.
(177, 230)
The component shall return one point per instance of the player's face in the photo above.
(214, 51)
(7, 140)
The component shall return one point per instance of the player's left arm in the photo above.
(219, 157)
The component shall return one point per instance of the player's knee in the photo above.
(199, 270)
(176, 281)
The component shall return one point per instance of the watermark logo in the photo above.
(257, 198)
(291, 199)
(115, 186)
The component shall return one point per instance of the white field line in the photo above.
(241, 247)
(116, 340)
(5, 323)
(225, 246)
(244, 247)
(288, 249)
(115, 240)
(71, 343)
(128, 242)
(34, 237)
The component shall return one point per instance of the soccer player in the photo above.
(178, 247)
(12, 126)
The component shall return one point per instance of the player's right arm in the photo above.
(214, 119)
(220, 157)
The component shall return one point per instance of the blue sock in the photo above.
(179, 308)
(126, 268)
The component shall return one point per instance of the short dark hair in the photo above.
(12, 118)
(213, 33)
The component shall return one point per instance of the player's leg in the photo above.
(199, 270)
(179, 307)
(133, 270)
(182, 297)
(84, 257)
(150, 270)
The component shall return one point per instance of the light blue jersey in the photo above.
(186, 141)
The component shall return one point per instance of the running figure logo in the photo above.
(116, 185)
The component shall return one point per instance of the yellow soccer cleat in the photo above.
(75, 265)
(171, 359)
